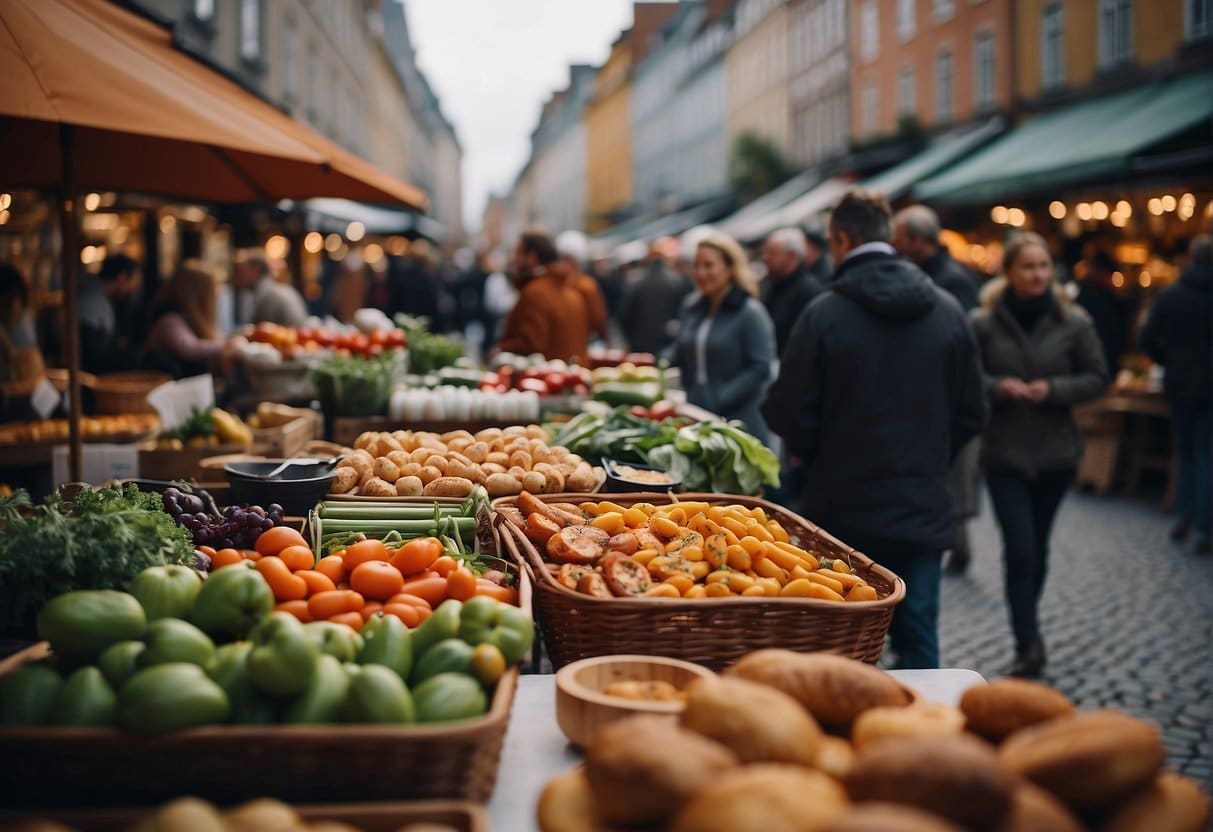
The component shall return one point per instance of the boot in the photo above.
(1030, 662)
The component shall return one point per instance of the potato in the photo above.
(476, 452)
(522, 459)
(537, 432)
(409, 469)
(502, 485)
(555, 479)
(411, 443)
(889, 817)
(409, 487)
(344, 481)
(999, 709)
(460, 433)
(583, 479)
(488, 435)
(498, 458)
(399, 458)
(360, 461)
(1171, 802)
(490, 468)
(431, 440)
(762, 797)
(458, 457)
(834, 756)
(758, 723)
(567, 805)
(386, 444)
(459, 443)
(437, 461)
(1035, 810)
(430, 473)
(448, 487)
(420, 455)
(455, 468)
(365, 440)
(375, 487)
(919, 719)
(566, 468)
(515, 431)
(534, 482)
(367, 476)
(386, 470)
(402, 436)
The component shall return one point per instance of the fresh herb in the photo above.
(427, 351)
(354, 386)
(99, 540)
(200, 422)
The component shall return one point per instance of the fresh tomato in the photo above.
(378, 337)
(662, 410)
(461, 584)
(417, 555)
(396, 338)
(555, 381)
(429, 586)
(374, 351)
(534, 385)
(376, 580)
(444, 565)
(362, 551)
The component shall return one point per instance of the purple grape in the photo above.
(189, 523)
(274, 508)
(203, 537)
(202, 517)
(267, 524)
(257, 510)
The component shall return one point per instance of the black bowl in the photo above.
(297, 488)
(618, 483)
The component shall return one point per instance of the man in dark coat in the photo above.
(650, 306)
(879, 388)
(1095, 295)
(789, 286)
(916, 235)
(1177, 336)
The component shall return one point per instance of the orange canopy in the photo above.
(149, 118)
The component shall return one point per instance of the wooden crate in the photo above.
(185, 464)
(289, 433)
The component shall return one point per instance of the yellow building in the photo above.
(608, 139)
(756, 68)
(1069, 44)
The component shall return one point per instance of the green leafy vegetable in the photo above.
(427, 351)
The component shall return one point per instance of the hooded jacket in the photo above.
(952, 277)
(549, 318)
(786, 298)
(1176, 334)
(878, 389)
(1023, 437)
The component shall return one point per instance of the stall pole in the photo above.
(69, 223)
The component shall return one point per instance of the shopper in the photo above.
(274, 301)
(551, 317)
(1041, 357)
(20, 356)
(106, 326)
(651, 302)
(184, 338)
(573, 249)
(726, 340)
(1176, 335)
(878, 389)
(789, 286)
(916, 235)
(1097, 296)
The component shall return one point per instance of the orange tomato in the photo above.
(370, 609)
(324, 605)
(284, 585)
(417, 555)
(376, 579)
(409, 615)
(411, 600)
(353, 620)
(250, 554)
(461, 584)
(272, 541)
(298, 557)
(505, 594)
(445, 565)
(363, 551)
(332, 566)
(297, 609)
(209, 551)
(225, 557)
(316, 581)
(430, 587)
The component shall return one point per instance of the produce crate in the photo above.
(345, 431)
(46, 766)
(185, 464)
(461, 816)
(290, 437)
(713, 632)
(486, 538)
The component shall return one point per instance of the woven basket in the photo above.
(127, 392)
(712, 632)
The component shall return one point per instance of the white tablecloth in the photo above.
(535, 750)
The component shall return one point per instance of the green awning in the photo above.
(1078, 144)
(942, 151)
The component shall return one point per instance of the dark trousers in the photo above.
(1025, 509)
(1193, 426)
(915, 627)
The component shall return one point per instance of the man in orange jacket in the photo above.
(551, 316)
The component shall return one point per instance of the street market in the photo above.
(813, 435)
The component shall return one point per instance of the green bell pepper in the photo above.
(448, 697)
(229, 670)
(231, 602)
(169, 697)
(386, 641)
(79, 625)
(336, 640)
(443, 624)
(452, 655)
(166, 591)
(118, 662)
(27, 695)
(174, 640)
(85, 699)
(322, 700)
(485, 620)
(376, 694)
(283, 656)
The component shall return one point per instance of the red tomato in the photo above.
(396, 338)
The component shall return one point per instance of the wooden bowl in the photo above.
(582, 707)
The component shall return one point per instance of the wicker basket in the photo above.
(127, 392)
(712, 632)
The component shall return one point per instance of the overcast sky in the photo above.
(494, 62)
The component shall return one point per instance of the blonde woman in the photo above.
(184, 339)
(726, 340)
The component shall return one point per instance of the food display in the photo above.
(608, 357)
(428, 351)
(354, 385)
(627, 472)
(542, 377)
(271, 344)
(680, 550)
(504, 461)
(749, 753)
(206, 428)
(461, 404)
(628, 384)
(123, 426)
(234, 526)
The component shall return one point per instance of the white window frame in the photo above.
(204, 10)
(1053, 66)
(869, 106)
(1194, 28)
(907, 99)
(1114, 23)
(945, 87)
(869, 31)
(942, 10)
(985, 74)
(250, 30)
(907, 19)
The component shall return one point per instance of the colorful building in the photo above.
(819, 79)
(757, 70)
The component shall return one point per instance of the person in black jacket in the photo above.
(878, 389)
(916, 235)
(789, 286)
(1176, 335)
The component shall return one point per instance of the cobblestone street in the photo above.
(1127, 618)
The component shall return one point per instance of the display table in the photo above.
(535, 750)
(1120, 426)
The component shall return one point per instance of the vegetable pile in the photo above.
(355, 386)
(710, 456)
(427, 351)
(100, 540)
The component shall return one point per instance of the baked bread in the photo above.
(1035, 810)
(999, 709)
(917, 720)
(1172, 803)
(567, 805)
(762, 798)
(760, 724)
(889, 817)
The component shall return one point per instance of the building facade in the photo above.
(557, 167)
(757, 72)
(608, 183)
(699, 166)
(938, 62)
(819, 82)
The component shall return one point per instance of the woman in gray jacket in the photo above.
(726, 340)
(1041, 357)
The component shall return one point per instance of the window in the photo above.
(983, 70)
(906, 23)
(1052, 55)
(943, 86)
(869, 31)
(204, 10)
(250, 29)
(1115, 31)
(942, 10)
(870, 104)
(905, 91)
(290, 62)
(1198, 19)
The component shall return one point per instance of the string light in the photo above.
(1017, 217)
(277, 247)
(1119, 220)
(355, 231)
(999, 214)
(372, 254)
(1099, 210)
(1168, 203)
(6, 201)
(1083, 211)
(1118, 279)
(1124, 208)
(1057, 210)
(1154, 206)
(313, 242)
(92, 201)
(167, 223)
(333, 242)
(1144, 280)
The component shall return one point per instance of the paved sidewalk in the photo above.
(1127, 618)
